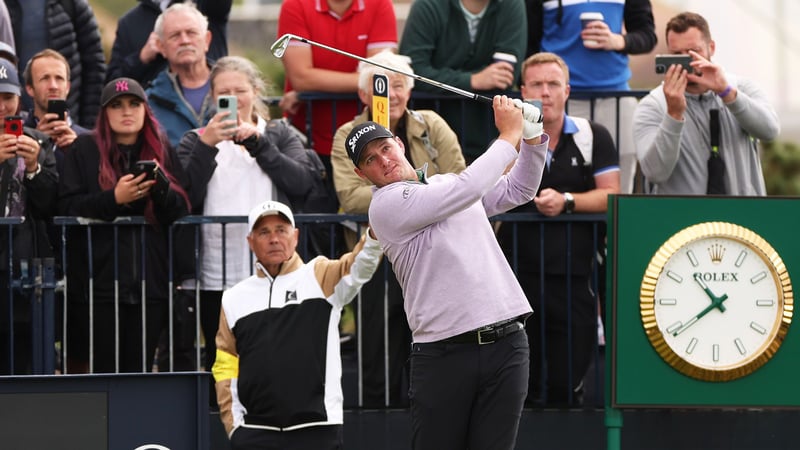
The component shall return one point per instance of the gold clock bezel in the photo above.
(779, 275)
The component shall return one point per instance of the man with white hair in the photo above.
(179, 94)
(428, 140)
(278, 368)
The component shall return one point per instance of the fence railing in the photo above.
(50, 297)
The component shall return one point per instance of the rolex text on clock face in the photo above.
(717, 304)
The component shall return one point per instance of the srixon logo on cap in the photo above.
(359, 133)
(121, 86)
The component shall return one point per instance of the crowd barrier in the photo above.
(42, 292)
(49, 297)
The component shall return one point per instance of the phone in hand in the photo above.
(228, 104)
(58, 107)
(148, 167)
(13, 125)
(663, 62)
(153, 172)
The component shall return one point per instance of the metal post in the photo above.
(48, 315)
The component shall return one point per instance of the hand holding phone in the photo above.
(13, 125)
(663, 62)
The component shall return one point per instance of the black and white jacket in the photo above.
(278, 363)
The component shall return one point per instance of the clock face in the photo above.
(716, 301)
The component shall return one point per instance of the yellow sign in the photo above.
(380, 99)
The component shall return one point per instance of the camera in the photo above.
(663, 62)
(13, 125)
(223, 103)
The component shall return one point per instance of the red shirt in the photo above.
(368, 24)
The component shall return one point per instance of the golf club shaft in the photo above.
(446, 87)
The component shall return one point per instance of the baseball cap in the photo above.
(269, 208)
(119, 87)
(361, 135)
(8, 52)
(9, 78)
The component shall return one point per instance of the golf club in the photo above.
(279, 48)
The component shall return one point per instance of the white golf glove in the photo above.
(532, 126)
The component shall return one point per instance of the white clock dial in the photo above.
(716, 301)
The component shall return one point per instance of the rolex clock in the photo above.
(716, 301)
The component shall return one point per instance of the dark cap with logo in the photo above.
(361, 135)
(9, 78)
(119, 87)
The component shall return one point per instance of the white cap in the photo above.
(269, 208)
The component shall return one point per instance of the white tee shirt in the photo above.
(237, 185)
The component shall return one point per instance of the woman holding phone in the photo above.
(28, 190)
(127, 265)
(231, 166)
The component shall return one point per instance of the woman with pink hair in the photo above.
(117, 276)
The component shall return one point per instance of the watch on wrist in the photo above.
(569, 203)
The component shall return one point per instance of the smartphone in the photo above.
(227, 103)
(13, 125)
(663, 62)
(59, 107)
(146, 166)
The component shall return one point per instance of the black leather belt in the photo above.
(488, 334)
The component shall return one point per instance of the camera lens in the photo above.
(660, 68)
(15, 127)
(223, 102)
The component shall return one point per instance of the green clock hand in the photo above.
(708, 292)
(716, 302)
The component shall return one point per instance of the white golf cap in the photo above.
(269, 208)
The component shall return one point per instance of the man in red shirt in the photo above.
(360, 27)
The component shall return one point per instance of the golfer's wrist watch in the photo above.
(569, 203)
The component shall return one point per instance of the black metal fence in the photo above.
(47, 298)
(37, 296)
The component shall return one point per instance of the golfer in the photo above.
(469, 361)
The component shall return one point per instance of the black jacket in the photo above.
(81, 195)
(30, 239)
(135, 26)
(72, 31)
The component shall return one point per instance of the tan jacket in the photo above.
(432, 141)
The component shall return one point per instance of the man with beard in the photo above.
(694, 119)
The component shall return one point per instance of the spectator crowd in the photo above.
(172, 125)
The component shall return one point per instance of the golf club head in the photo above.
(278, 48)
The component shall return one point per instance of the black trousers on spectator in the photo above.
(468, 396)
(210, 303)
(377, 314)
(325, 437)
(560, 326)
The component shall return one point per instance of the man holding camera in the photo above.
(697, 133)
(28, 189)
